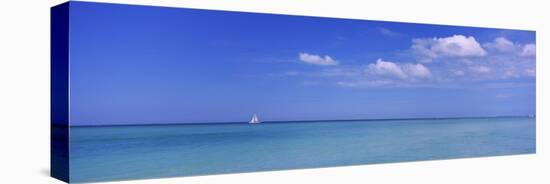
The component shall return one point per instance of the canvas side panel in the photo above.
(59, 113)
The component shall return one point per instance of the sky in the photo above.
(140, 64)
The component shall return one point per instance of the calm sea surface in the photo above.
(138, 152)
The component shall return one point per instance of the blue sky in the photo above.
(138, 64)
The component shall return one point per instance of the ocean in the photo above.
(104, 153)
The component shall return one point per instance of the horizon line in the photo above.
(291, 121)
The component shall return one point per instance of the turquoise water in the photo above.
(151, 151)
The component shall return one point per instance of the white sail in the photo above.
(254, 119)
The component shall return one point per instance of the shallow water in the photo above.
(151, 151)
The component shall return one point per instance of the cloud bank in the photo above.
(432, 62)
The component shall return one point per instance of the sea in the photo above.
(106, 153)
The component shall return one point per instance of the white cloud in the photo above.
(317, 59)
(389, 68)
(453, 46)
(461, 58)
(417, 70)
(529, 50)
(501, 44)
(401, 71)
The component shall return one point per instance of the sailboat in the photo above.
(254, 119)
